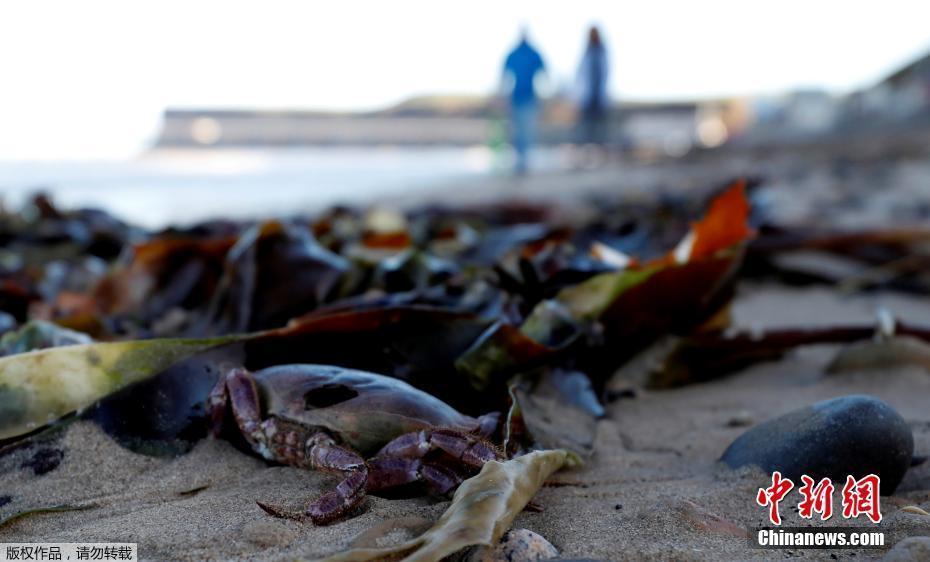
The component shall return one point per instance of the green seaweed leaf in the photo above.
(590, 299)
(39, 387)
(482, 510)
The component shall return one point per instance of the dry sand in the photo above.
(648, 493)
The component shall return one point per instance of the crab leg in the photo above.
(243, 397)
(390, 472)
(322, 453)
(441, 481)
(471, 450)
(403, 460)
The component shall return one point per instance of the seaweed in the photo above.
(482, 509)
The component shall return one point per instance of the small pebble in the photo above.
(909, 549)
(880, 355)
(268, 532)
(856, 435)
(517, 545)
(742, 418)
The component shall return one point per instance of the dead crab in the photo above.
(332, 419)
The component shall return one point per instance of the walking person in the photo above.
(520, 70)
(592, 82)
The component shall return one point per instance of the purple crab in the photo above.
(379, 432)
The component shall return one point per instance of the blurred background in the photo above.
(174, 112)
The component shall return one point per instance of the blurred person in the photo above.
(592, 85)
(521, 67)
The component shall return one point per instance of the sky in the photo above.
(90, 79)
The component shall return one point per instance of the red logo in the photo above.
(817, 499)
(860, 497)
(773, 495)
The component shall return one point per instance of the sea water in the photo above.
(164, 187)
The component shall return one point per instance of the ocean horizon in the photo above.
(165, 187)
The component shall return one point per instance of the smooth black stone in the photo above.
(856, 435)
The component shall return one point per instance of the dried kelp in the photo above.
(365, 291)
(855, 260)
(706, 355)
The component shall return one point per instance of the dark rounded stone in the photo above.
(856, 435)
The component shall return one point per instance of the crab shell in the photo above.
(359, 409)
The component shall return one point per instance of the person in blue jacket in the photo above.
(520, 70)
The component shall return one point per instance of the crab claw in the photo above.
(333, 505)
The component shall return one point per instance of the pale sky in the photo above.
(91, 78)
